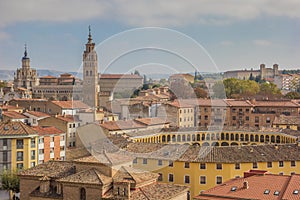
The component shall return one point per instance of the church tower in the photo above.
(90, 73)
(25, 77)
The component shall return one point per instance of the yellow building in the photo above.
(201, 168)
(19, 144)
(287, 122)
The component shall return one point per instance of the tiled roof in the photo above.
(120, 76)
(180, 104)
(14, 115)
(10, 107)
(257, 186)
(38, 114)
(68, 118)
(238, 103)
(121, 125)
(270, 103)
(151, 121)
(47, 130)
(15, 128)
(45, 77)
(287, 120)
(133, 175)
(71, 104)
(90, 176)
(52, 169)
(234, 154)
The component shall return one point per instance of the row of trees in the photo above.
(236, 88)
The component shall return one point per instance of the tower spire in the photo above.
(90, 35)
(25, 52)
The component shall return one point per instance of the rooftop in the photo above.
(71, 104)
(38, 114)
(14, 115)
(47, 130)
(120, 76)
(15, 129)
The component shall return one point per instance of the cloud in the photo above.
(145, 13)
(262, 42)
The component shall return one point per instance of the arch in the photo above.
(183, 138)
(168, 138)
(82, 194)
(231, 136)
(218, 136)
(273, 139)
(256, 138)
(267, 138)
(178, 138)
(198, 137)
(251, 138)
(203, 136)
(205, 144)
(247, 137)
(173, 138)
(207, 136)
(188, 138)
(213, 136)
(262, 138)
(196, 144)
(253, 144)
(234, 144)
(193, 138)
(227, 136)
(242, 137)
(163, 138)
(222, 136)
(224, 144)
(236, 137)
(216, 144)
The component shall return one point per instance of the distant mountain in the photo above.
(9, 74)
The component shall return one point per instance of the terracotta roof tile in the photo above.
(151, 121)
(71, 104)
(47, 130)
(120, 76)
(38, 114)
(287, 120)
(14, 115)
(121, 125)
(15, 128)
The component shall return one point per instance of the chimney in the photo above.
(245, 185)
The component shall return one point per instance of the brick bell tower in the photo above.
(91, 87)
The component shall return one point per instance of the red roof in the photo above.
(15, 128)
(14, 115)
(68, 118)
(151, 121)
(121, 125)
(38, 114)
(50, 77)
(71, 104)
(47, 130)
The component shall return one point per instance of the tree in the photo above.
(200, 93)
(10, 181)
(293, 95)
(3, 84)
(219, 90)
(268, 88)
(136, 72)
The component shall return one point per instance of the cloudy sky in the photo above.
(230, 34)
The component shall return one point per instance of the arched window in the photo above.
(91, 73)
(118, 191)
(82, 194)
(87, 73)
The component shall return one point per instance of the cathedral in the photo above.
(25, 77)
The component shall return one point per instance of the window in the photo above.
(269, 164)
(171, 178)
(159, 162)
(233, 189)
(74, 125)
(202, 166)
(171, 164)
(20, 156)
(233, 117)
(276, 193)
(280, 163)
(187, 179)
(145, 161)
(32, 142)
(41, 140)
(32, 153)
(237, 166)
(219, 166)
(219, 179)
(32, 164)
(293, 163)
(296, 192)
(186, 165)
(247, 118)
(51, 139)
(135, 161)
(20, 144)
(82, 194)
(160, 177)
(202, 179)
(4, 156)
(20, 166)
(206, 117)
(70, 125)
(256, 119)
(4, 142)
(41, 151)
(254, 165)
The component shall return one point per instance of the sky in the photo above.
(151, 36)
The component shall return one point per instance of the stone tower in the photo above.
(25, 76)
(90, 74)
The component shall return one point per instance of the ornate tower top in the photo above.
(89, 46)
(25, 52)
(90, 40)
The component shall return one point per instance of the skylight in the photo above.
(296, 192)
(276, 193)
(233, 189)
(267, 191)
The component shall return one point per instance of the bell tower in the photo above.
(90, 73)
